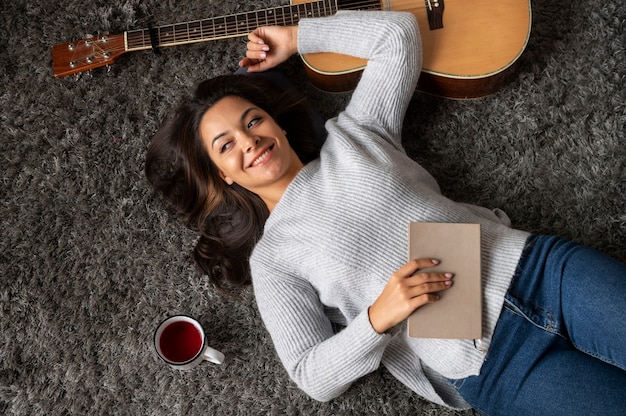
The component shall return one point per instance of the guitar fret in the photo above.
(279, 16)
(166, 35)
(251, 22)
(161, 32)
(139, 39)
(273, 13)
(324, 6)
(228, 26)
(177, 31)
(195, 30)
(218, 26)
(232, 27)
(295, 14)
(231, 21)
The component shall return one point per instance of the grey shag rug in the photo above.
(91, 261)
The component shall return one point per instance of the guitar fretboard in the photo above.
(237, 24)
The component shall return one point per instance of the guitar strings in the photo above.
(238, 24)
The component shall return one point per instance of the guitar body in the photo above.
(473, 55)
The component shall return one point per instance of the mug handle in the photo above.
(213, 355)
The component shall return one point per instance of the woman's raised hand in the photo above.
(407, 290)
(268, 46)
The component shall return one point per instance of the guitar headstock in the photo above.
(85, 54)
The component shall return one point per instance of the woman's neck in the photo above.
(272, 195)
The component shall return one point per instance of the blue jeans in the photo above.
(559, 347)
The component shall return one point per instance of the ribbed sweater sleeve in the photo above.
(322, 363)
(388, 41)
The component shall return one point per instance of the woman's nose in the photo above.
(250, 142)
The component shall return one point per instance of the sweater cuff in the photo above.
(369, 339)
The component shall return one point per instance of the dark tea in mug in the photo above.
(180, 342)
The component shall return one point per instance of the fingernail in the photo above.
(266, 48)
(447, 282)
(262, 56)
(435, 261)
(449, 275)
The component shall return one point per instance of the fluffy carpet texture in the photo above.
(91, 261)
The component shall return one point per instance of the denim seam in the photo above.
(516, 310)
(530, 242)
(596, 356)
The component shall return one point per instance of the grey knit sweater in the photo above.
(340, 230)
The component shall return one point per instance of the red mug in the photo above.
(181, 343)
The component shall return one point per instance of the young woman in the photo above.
(326, 240)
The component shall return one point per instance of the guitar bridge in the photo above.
(434, 10)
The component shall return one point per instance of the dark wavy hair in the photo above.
(228, 218)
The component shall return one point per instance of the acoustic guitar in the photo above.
(470, 47)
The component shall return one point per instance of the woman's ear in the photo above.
(225, 178)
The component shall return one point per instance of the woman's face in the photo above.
(247, 145)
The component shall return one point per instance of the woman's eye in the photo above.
(225, 147)
(253, 121)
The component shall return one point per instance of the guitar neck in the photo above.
(237, 24)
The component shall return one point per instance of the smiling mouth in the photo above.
(262, 157)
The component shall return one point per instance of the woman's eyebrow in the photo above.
(242, 118)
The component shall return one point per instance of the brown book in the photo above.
(458, 314)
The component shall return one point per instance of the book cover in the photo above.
(458, 314)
